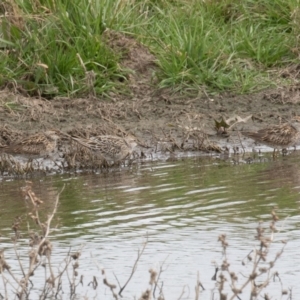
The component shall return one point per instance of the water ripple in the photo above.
(181, 207)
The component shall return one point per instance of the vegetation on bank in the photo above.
(58, 47)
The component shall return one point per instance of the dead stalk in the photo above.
(161, 270)
(44, 246)
(259, 268)
(140, 253)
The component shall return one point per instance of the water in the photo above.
(179, 207)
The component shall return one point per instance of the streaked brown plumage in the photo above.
(277, 136)
(36, 145)
(112, 148)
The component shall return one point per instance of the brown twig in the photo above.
(110, 285)
(260, 256)
(240, 140)
(43, 247)
(158, 277)
(140, 253)
(183, 291)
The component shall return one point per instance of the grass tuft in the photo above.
(214, 44)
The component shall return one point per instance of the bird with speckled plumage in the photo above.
(276, 136)
(37, 145)
(111, 148)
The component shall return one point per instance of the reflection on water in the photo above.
(181, 206)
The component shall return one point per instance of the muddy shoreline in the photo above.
(161, 119)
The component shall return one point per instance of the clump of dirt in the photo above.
(135, 58)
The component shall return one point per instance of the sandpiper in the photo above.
(277, 136)
(37, 145)
(111, 148)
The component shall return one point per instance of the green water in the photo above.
(181, 206)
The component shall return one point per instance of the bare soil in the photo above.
(156, 117)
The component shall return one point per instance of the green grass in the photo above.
(219, 45)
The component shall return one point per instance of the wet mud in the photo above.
(164, 121)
